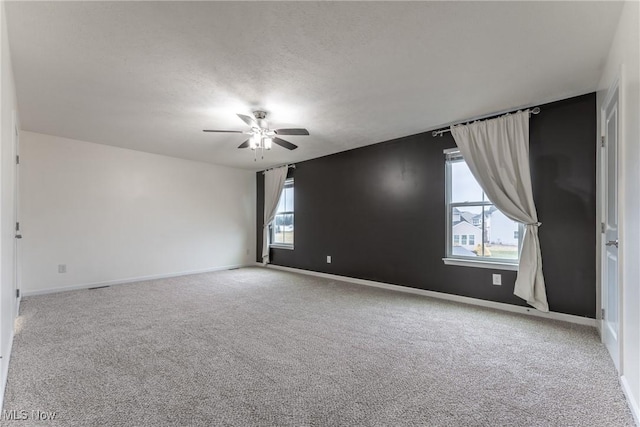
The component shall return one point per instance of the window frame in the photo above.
(453, 155)
(288, 183)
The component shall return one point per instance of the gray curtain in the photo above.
(273, 185)
(497, 153)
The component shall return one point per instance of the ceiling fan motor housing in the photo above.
(261, 119)
(260, 114)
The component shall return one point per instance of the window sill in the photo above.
(288, 247)
(480, 264)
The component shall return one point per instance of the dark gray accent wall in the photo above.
(379, 212)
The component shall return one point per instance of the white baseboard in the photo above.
(5, 369)
(27, 293)
(633, 404)
(450, 297)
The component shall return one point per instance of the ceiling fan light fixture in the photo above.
(255, 141)
(267, 141)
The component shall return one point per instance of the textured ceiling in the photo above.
(151, 75)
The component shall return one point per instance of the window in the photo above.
(282, 226)
(476, 229)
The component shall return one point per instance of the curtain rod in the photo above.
(535, 110)
(293, 166)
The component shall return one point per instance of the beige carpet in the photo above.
(259, 347)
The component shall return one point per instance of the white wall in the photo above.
(7, 218)
(623, 62)
(111, 214)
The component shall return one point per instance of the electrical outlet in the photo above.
(497, 279)
(328, 259)
(62, 268)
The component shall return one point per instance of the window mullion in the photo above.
(466, 204)
(482, 231)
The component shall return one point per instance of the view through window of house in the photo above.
(282, 226)
(476, 228)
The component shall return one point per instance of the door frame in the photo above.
(17, 270)
(602, 206)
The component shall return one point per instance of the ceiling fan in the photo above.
(262, 137)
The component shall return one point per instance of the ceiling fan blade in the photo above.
(285, 144)
(291, 131)
(244, 144)
(248, 120)
(223, 131)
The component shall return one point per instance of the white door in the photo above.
(610, 278)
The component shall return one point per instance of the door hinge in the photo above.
(602, 314)
(17, 226)
(602, 143)
(17, 293)
(17, 160)
(602, 227)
